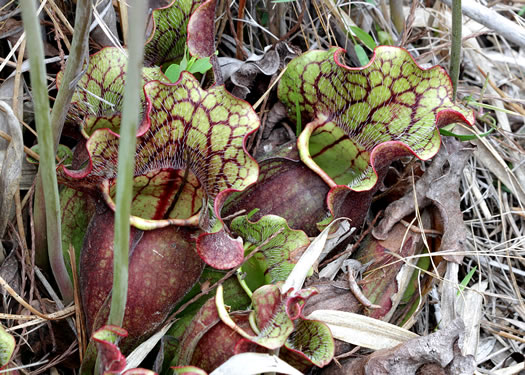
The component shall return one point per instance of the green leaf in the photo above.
(64, 154)
(361, 55)
(76, 209)
(466, 279)
(200, 66)
(173, 72)
(385, 38)
(364, 37)
(276, 258)
(7, 347)
(464, 137)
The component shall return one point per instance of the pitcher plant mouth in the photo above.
(191, 149)
(361, 119)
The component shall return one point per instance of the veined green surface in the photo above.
(184, 127)
(275, 259)
(168, 36)
(7, 347)
(97, 102)
(354, 110)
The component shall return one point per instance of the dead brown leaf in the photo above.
(439, 185)
(437, 353)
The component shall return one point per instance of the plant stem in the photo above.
(455, 53)
(47, 152)
(79, 48)
(396, 15)
(126, 159)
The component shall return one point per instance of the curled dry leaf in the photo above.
(243, 73)
(387, 276)
(439, 185)
(440, 348)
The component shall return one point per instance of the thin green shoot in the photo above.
(463, 284)
(47, 151)
(242, 281)
(494, 108)
(126, 162)
(447, 130)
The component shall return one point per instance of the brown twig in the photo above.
(416, 229)
(356, 290)
(239, 53)
(20, 300)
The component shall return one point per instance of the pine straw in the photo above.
(493, 206)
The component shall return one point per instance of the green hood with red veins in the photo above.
(280, 323)
(168, 31)
(97, 102)
(359, 119)
(191, 148)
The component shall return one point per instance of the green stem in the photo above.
(126, 159)
(455, 53)
(396, 15)
(79, 48)
(47, 151)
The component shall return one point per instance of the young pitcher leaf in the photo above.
(111, 359)
(275, 314)
(192, 148)
(363, 118)
(313, 340)
(277, 256)
(7, 347)
(168, 31)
